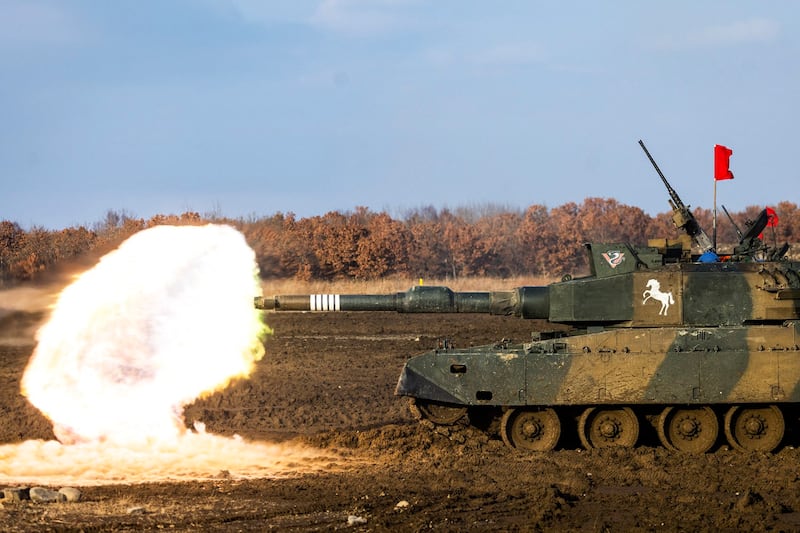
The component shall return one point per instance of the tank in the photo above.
(694, 348)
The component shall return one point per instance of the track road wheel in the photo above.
(754, 429)
(531, 430)
(608, 427)
(689, 429)
(439, 413)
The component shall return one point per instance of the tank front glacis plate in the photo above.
(483, 375)
(670, 365)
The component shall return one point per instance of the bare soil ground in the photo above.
(328, 381)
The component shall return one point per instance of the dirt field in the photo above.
(328, 381)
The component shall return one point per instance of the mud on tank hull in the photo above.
(691, 384)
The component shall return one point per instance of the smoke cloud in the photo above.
(163, 319)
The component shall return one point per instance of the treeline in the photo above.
(423, 242)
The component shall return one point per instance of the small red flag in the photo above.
(772, 218)
(722, 159)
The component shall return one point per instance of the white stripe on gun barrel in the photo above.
(324, 302)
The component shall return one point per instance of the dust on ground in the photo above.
(328, 380)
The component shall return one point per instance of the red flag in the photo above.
(772, 218)
(772, 221)
(722, 159)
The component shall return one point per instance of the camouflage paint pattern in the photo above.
(670, 365)
(649, 328)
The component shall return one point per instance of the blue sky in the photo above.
(246, 108)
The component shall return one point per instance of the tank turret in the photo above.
(699, 346)
(628, 287)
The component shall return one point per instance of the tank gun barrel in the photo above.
(524, 302)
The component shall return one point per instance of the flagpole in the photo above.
(722, 171)
(715, 215)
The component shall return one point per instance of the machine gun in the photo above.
(750, 244)
(681, 216)
(733, 223)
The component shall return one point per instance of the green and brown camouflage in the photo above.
(651, 334)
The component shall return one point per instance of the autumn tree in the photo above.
(334, 240)
(461, 245)
(483, 240)
(536, 237)
(788, 228)
(498, 245)
(11, 237)
(566, 254)
(383, 248)
(188, 218)
(114, 228)
(427, 256)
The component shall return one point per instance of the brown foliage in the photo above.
(425, 242)
(383, 249)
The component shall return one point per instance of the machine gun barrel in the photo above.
(524, 302)
(675, 201)
(681, 215)
(738, 231)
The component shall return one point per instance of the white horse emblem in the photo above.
(653, 290)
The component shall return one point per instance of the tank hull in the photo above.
(655, 366)
(692, 385)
